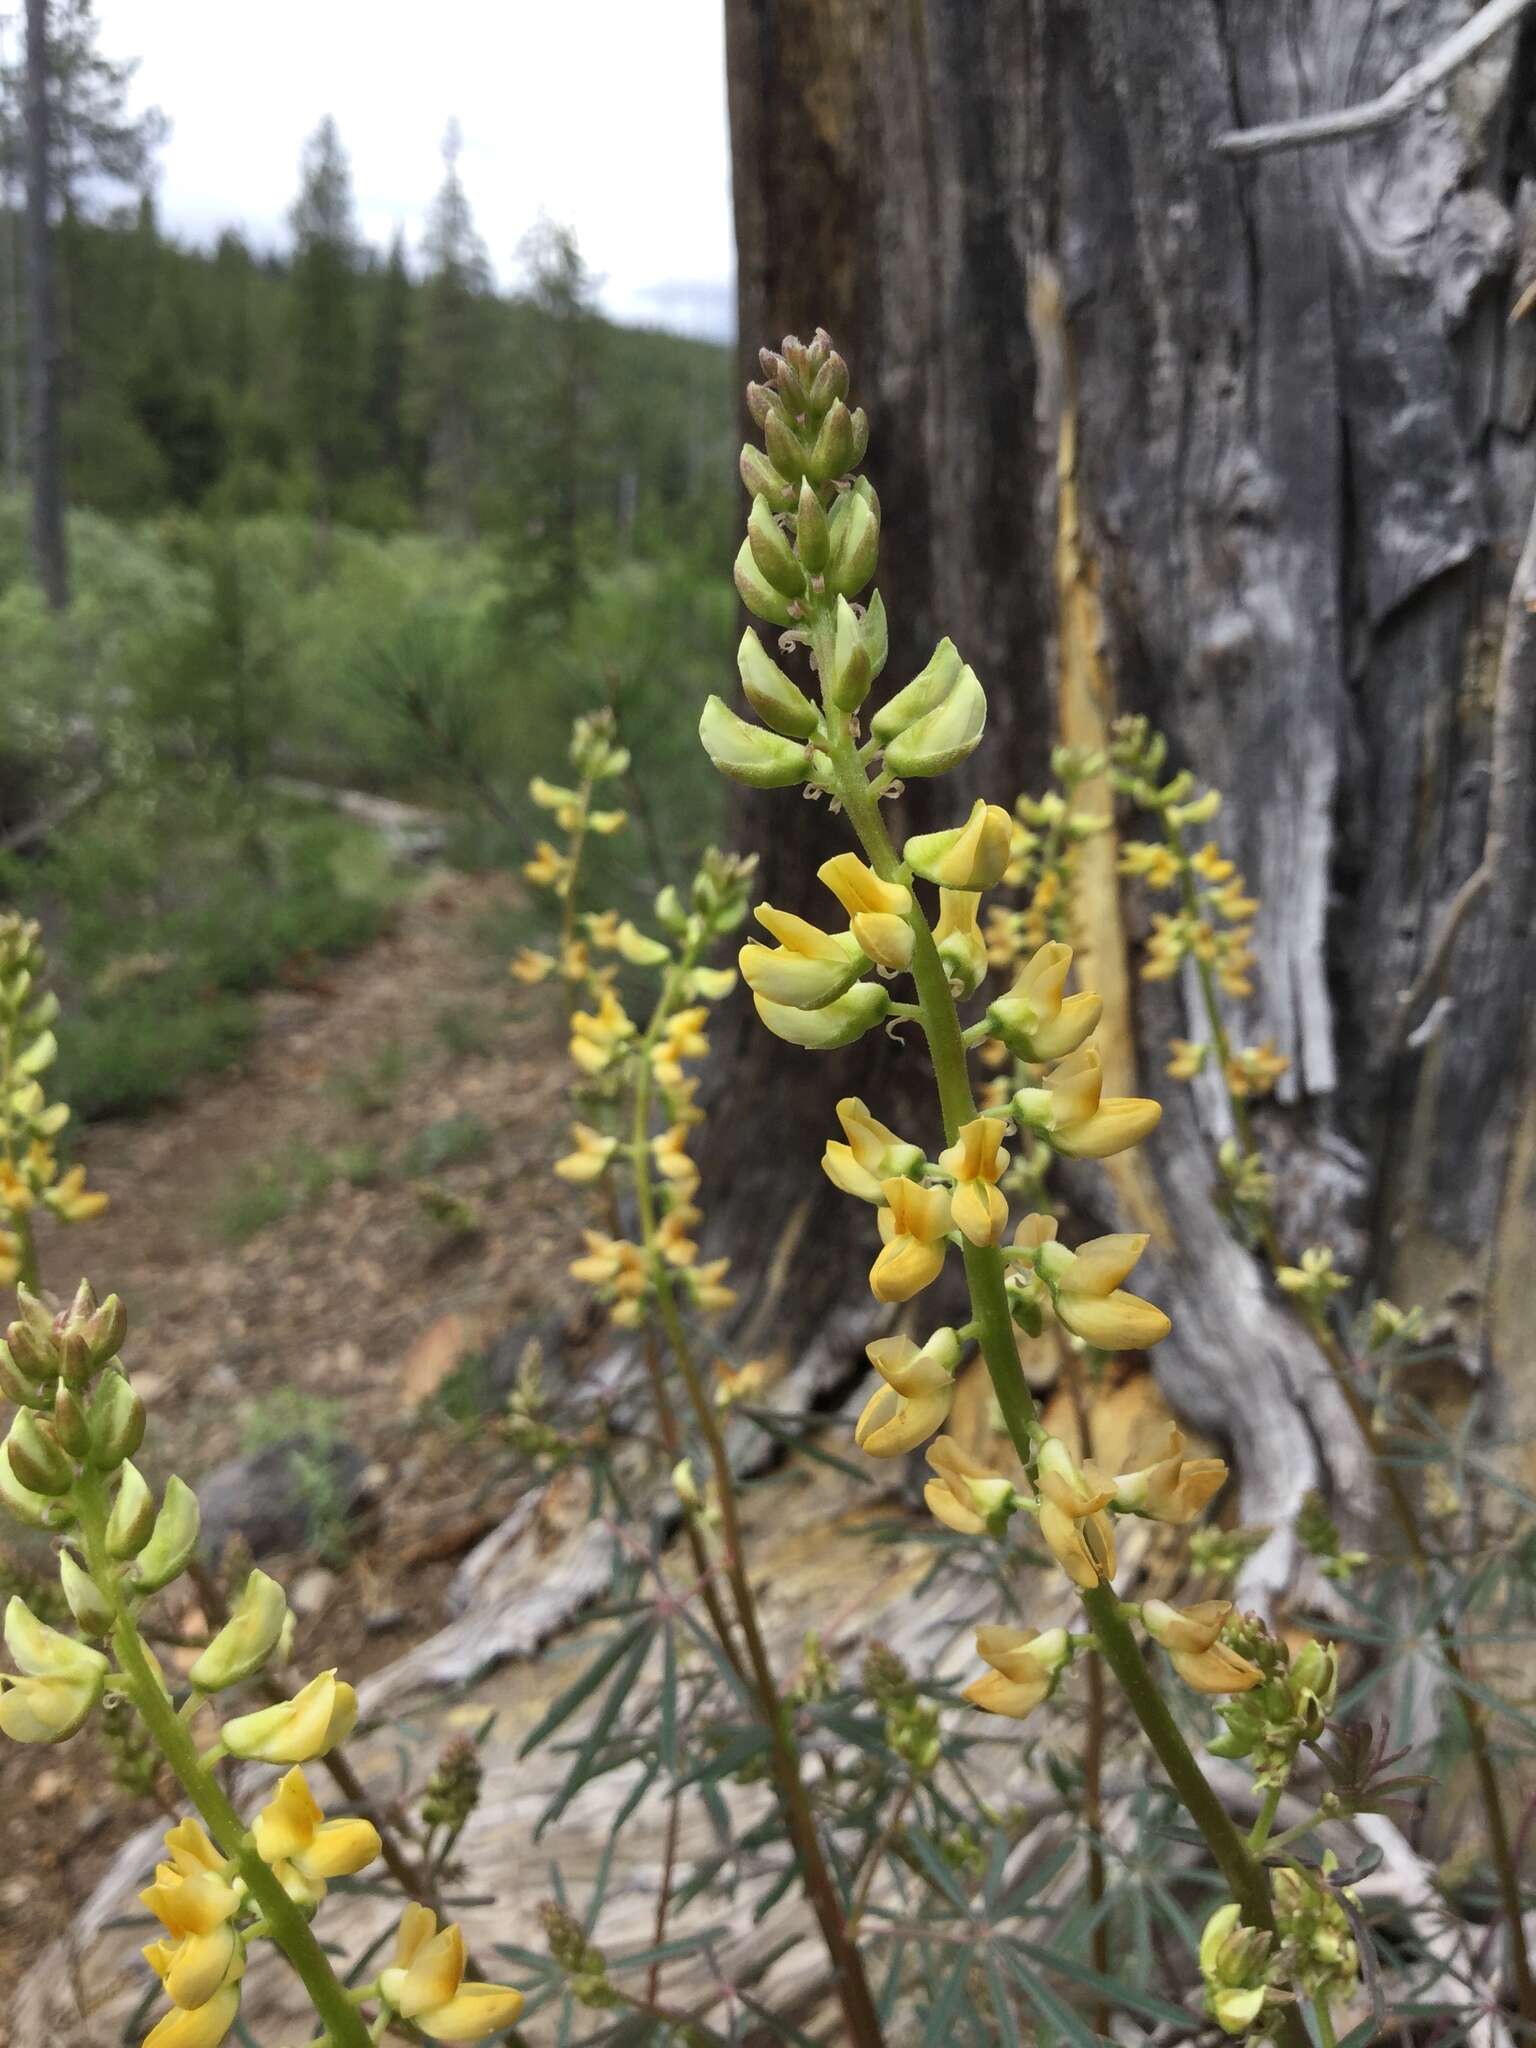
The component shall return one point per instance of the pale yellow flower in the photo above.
(1069, 1109)
(531, 966)
(967, 1494)
(1158, 866)
(589, 1156)
(978, 1163)
(807, 969)
(914, 1224)
(1191, 1636)
(426, 1984)
(1088, 1298)
(549, 869)
(598, 1035)
(682, 1039)
(1036, 1019)
(204, 2027)
(60, 1679)
(1188, 1059)
(1173, 1488)
(1073, 1524)
(198, 1913)
(305, 1849)
(878, 911)
(706, 1283)
(958, 937)
(971, 856)
(913, 1403)
(873, 1154)
(297, 1730)
(1025, 1669)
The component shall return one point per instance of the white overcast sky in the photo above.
(608, 115)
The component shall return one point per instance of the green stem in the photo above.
(859, 2013)
(984, 1272)
(1325, 2030)
(290, 1930)
(1266, 1820)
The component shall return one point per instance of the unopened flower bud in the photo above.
(763, 480)
(132, 1520)
(762, 760)
(106, 1330)
(247, 1640)
(831, 381)
(69, 1421)
(924, 693)
(90, 1607)
(771, 551)
(776, 700)
(813, 541)
(173, 1540)
(851, 673)
(116, 1422)
(833, 454)
(14, 1384)
(834, 1024)
(61, 1679)
(36, 1456)
(945, 736)
(786, 450)
(855, 541)
(757, 593)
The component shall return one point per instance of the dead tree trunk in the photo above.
(49, 549)
(1245, 447)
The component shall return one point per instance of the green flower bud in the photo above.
(830, 382)
(116, 1422)
(859, 420)
(169, 1549)
(763, 480)
(246, 1641)
(945, 736)
(75, 1356)
(833, 454)
(106, 1330)
(669, 909)
(813, 541)
(771, 551)
(37, 1510)
(922, 695)
(775, 699)
(836, 1023)
(757, 593)
(36, 1456)
(855, 542)
(786, 450)
(848, 684)
(91, 1609)
(872, 632)
(69, 1423)
(761, 403)
(14, 1384)
(133, 1518)
(763, 760)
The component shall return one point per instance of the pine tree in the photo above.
(394, 445)
(454, 372)
(327, 384)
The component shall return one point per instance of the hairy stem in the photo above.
(287, 1925)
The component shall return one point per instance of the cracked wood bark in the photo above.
(1296, 430)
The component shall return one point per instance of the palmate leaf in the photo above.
(619, 1646)
(938, 2031)
(1055, 2011)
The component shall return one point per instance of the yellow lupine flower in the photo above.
(1211, 864)
(670, 1151)
(873, 1154)
(198, 1914)
(1025, 1668)
(204, 2027)
(1073, 1524)
(607, 822)
(706, 1283)
(1233, 901)
(914, 1225)
(613, 1263)
(1169, 942)
(426, 1984)
(16, 1196)
(672, 1239)
(958, 938)
(877, 911)
(10, 1258)
(915, 1400)
(305, 1849)
(588, 1159)
(807, 969)
(1089, 1300)
(551, 796)
(549, 869)
(1191, 1635)
(1188, 1059)
(1070, 1110)
(967, 1494)
(1173, 1488)
(297, 1730)
(978, 1163)
(531, 966)
(969, 856)
(70, 1200)
(603, 929)
(739, 1382)
(596, 1036)
(1256, 1069)
(1158, 866)
(682, 1039)
(1035, 1019)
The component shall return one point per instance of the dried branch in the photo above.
(1419, 79)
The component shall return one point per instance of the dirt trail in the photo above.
(261, 1281)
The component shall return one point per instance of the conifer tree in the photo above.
(327, 384)
(394, 445)
(455, 370)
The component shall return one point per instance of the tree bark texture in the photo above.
(49, 550)
(1247, 448)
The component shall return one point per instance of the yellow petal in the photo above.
(1100, 1265)
(199, 1967)
(205, 2027)
(905, 1267)
(858, 888)
(435, 1974)
(1118, 1123)
(478, 2010)
(842, 1168)
(1115, 1322)
(341, 1848)
(893, 1424)
(981, 1212)
(946, 1506)
(887, 939)
(1015, 1698)
(1216, 1670)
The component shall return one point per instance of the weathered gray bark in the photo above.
(1303, 469)
(48, 542)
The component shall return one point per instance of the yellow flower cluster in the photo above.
(29, 1122)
